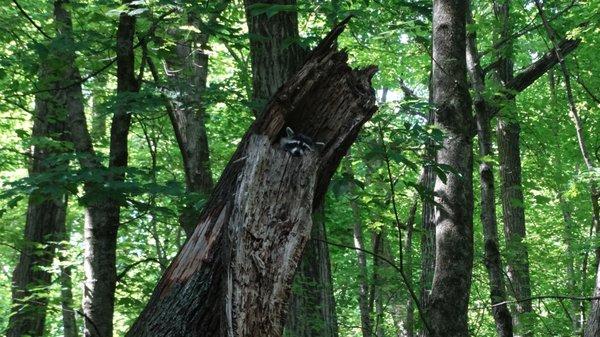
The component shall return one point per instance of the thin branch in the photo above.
(133, 265)
(31, 20)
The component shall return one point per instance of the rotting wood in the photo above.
(200, 294)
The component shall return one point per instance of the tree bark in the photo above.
(448, 302)
(312, 306)
(274, 48)
(102, 199)
(46, 211)
(66, 285)
(428, 215)
(103, 213)
(207, 290)
(592, 327)
(187, 72)
(493, 263)
(273, 62)
(513, 210)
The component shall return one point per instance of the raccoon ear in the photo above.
(289, 131)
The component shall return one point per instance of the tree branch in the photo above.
(530, 74)
(31, 20)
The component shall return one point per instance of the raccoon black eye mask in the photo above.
(297, 144)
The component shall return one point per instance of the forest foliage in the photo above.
(377, 186)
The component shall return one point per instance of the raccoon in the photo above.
(297, 144)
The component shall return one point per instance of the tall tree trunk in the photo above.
(103, 214)
(46, 211)
(102, 202)
(449, 299)
(311, 312)
(577, 307)
(232, 277)
(363, 279)
(493, 263)
(428, 215)
(187, 71)
(274, 48)
(592, 327)
(408, 265)
(274, 60)
(66, 285)
(509, 153)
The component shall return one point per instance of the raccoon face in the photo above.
(296, 144)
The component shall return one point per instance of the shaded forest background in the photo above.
(168, 88)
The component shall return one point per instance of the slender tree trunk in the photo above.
(66, 284)
(375, 297)
(312, 306)
(102, 203)
(428, 215)
(233, 276)
(187, 71)
(363, 279)
(103, 216)
(449, 299)
(408, 266)
(493, 263)
(592, 328)
(577, 308)
(579, 128)
(274, 49)
(513, 211)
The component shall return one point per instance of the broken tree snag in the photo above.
(232, 276)
(268, 228)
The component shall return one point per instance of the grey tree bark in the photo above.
(446, 309)
(493, 263)
(66, 285)
(592, 327)
(428, 216)
(232, 277)
(509, 153)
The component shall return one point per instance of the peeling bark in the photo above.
(205, 290)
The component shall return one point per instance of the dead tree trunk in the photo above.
(232, 277)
